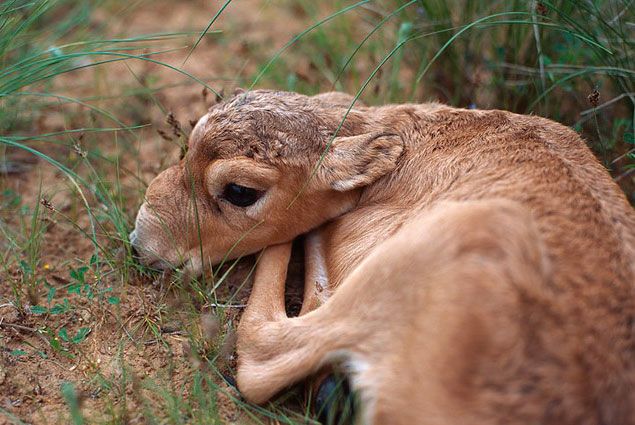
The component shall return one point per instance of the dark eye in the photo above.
(241, 196)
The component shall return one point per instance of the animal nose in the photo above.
(134, 253)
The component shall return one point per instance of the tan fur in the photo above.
(480, 262)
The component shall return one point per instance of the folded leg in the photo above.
(422, 325)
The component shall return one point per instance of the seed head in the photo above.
(77, 147)
(47, 204)
(79, 151)
(164, 135)
(594, 98)
(174, 124)
(541, 9)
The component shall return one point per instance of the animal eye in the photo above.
(241, 196)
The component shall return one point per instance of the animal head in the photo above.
(250, 177)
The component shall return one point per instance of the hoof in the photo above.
(229, 380)
(333, 401)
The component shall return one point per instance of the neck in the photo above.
(387, 203)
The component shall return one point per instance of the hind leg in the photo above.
(457, 302)
(423, 324)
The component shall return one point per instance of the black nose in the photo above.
(134, 253)
(132, 238)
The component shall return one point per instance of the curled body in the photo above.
(464, 266)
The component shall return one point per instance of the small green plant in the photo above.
(79, 336)
(72, 400)
(24, 249)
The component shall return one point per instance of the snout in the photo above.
(132, 238)
(149, 245)
(144, 258)
(134, 248)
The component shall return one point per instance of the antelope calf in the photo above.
(463, 266)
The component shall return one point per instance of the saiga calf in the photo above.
(480, 262)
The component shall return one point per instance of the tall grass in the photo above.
(43, 46)
(545, 58)
(568, 60)
(41, 42)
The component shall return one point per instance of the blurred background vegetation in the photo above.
(86, 86)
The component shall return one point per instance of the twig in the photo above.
(624, 174)
(217, 305)
(25, 329)
(619, 15)
(619, 158)
(19, 327)
(122, 325)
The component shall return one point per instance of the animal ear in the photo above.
(357, 161)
